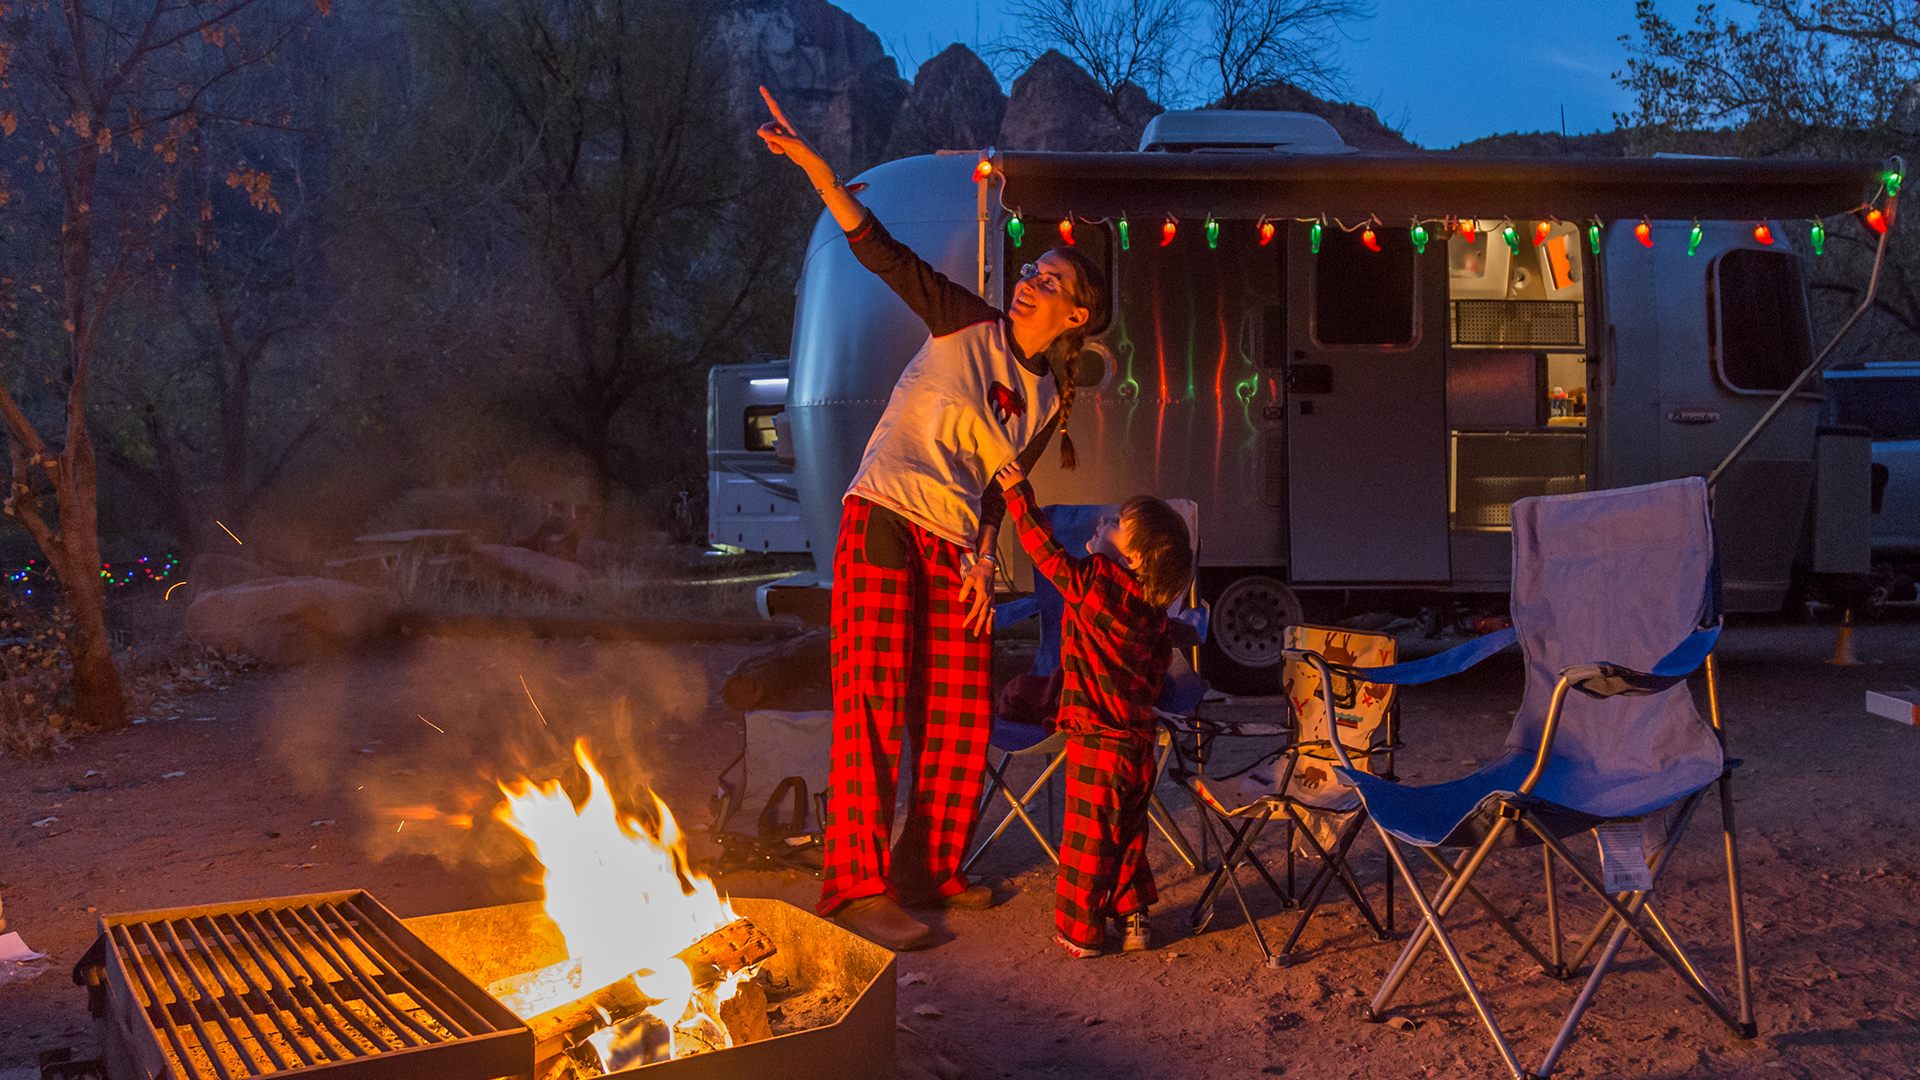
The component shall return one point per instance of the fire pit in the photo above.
(832, 992)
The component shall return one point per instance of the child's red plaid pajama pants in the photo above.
(1103, 842)
(903, 663)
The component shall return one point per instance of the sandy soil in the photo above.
(331, 777)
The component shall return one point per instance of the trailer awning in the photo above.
(1400, 187)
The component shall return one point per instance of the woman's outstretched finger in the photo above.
(779, 114)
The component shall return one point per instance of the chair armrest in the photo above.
(1605, 680)
(1452, 662)
(1007, 612)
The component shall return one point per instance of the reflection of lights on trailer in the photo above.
(766, 382)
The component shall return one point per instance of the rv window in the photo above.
(1361, 296)
(759, 420)
(1889, 408)
(1763, 337)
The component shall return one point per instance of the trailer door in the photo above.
(1366, 410)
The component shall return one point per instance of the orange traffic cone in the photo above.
(1843, 644)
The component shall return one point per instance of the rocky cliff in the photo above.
(1056, 105)
(956, 104)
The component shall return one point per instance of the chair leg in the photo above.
(1163, 819)
(1452, 891)
(1553, 909)
(1335, 862)
(997, 780)
(1743, 977)
(1237, 850)
(1431, 919)
(1500, 919)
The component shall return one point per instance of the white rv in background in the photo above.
(1354, 411)
(751, 502)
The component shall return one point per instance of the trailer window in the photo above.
(1763, 339)
(759, 421)
(1889, 408)
(1361, 296)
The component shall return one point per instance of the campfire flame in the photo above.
(624, 895)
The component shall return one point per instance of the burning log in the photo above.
(727, 951)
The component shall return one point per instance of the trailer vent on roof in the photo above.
(1518, 322)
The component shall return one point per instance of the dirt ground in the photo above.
(346, 775)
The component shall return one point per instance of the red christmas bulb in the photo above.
(1876, 220)
(1763, 234)
(982, 170)
(1540, 230)
(1066, 230)
(1266, 233)
(1167, 229)
(1367, 238)
(1643, 232)
(1466, 230)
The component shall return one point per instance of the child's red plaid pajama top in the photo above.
(1114, 649)
(1103, 841)
(904, 663)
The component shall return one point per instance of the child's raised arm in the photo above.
(1068, 574)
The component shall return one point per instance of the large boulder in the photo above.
(532, 567)
(288, 620)
(1359, 126)
(956, 104)
(213, 571)
(1056, 105)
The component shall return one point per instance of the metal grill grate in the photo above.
(1518, 322)
(330, 982)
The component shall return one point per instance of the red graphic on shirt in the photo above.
(1005, 402)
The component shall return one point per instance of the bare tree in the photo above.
(1119, 42)
(108, 99)
(1262, 42)
(1794, 78)
(1164, 46)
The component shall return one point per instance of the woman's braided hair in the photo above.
(1063, 355)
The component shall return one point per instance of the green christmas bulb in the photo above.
(1593, 237)
(1213, 233)
(1016, 229)
(1420, 239)
(1123, 234)
(1512, 239)
(1819, 237)
(1313, 237)
(1693, 238)
(1892, 180)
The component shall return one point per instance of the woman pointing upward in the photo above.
(913, 571)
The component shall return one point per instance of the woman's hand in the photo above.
(783, 138)
(976, 591)
(1010, 474)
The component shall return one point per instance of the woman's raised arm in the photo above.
(782, 138)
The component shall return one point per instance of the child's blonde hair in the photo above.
(1159, 536)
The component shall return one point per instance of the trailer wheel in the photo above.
(1247, 630)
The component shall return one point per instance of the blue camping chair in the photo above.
(1073, 526)
(1615, 595)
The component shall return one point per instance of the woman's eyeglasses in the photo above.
(1047, 280)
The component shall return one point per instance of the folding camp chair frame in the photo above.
(1253, 820)
(1626, 909)
(1056, 744)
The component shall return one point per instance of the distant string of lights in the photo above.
(1876, 214)
(146, 569)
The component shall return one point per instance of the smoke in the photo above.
(420, 737)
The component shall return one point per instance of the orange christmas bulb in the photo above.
(1266, 233)
(1643, 232)
(1540, 230)
(1167, 229)
(982, 170)
(1066, 231)
(1763, 234)
(1372, 241)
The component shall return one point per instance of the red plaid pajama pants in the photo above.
(904, 664)
(1103, 842)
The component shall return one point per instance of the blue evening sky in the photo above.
(1452, 70)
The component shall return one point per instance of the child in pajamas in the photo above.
(1114, 649)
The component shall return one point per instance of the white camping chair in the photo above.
(1615, 595)
(1073, 526)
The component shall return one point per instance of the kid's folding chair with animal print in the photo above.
(1615, 596)
(1022, 725)
(1296, 786)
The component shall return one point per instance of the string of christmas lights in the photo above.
(155, 569)
(1877, 218)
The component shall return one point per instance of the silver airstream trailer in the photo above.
(1354, 402)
